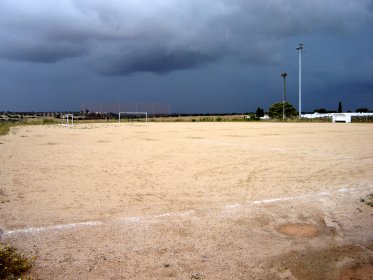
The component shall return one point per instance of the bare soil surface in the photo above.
(190, 200)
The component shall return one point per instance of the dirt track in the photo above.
(190, 200)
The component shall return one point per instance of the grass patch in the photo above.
(5, 127)
(12, 263)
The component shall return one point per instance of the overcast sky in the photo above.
(199, 55)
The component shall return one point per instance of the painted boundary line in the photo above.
(56, 227)
(266, 201)
(188, 213)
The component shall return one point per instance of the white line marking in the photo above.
(130, 220)
(304, 196)
(157, 217)
(176, 214)
(33, 230)
(283, 199)
(66, 226)
(230, 206)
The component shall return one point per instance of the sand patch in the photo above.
(51, 143)
(239, 136)
(325, 264)
(266, 206)
(299, 230)
(364, 272)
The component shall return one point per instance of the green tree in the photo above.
(275, 111)
(259, 112)
(340, 107)
(361, 110)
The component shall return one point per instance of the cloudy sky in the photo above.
(199, 55)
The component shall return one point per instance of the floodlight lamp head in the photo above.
(284, 74)
(301, 47)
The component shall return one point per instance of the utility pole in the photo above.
(284, 96)
(300, 49)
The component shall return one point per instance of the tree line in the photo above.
(275, 111)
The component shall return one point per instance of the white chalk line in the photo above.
(125, 220)
(266, 201)
(156, 218)
(56, 227)
(273, 200)
(280, 199)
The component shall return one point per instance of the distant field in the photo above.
(214, 200)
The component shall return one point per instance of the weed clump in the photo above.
(368, 200)
(5, 128)
(12, 263)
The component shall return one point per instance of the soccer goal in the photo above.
(133, 116)
(68, 120)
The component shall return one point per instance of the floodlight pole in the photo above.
(284, 96)
(300, 50)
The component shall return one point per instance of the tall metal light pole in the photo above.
(300, 50)
(284, 96)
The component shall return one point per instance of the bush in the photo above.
(12, 263)
(275, 111)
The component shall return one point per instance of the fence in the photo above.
(153, 109)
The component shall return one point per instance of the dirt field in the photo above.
(190, 200)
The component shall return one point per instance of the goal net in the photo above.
(133, 116)
(68, 120)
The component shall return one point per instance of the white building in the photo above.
(337, 117)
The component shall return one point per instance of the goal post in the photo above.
(133, 116)
(68, 119)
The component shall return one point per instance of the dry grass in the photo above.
(5, 128)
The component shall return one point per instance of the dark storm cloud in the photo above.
(123, 37)
(43, 53)
(157, 61)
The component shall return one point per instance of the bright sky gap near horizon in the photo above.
(201, 56)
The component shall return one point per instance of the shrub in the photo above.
(12, 263)
(275, 111)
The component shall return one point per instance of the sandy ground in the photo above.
(190, 200)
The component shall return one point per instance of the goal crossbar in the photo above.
(134, 113)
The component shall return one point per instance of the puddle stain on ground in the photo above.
(340, 262)
(299, 230)
(358, 272)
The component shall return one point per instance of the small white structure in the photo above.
(68, 120)
(341, 117)
(316, 116)
(337, 117)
